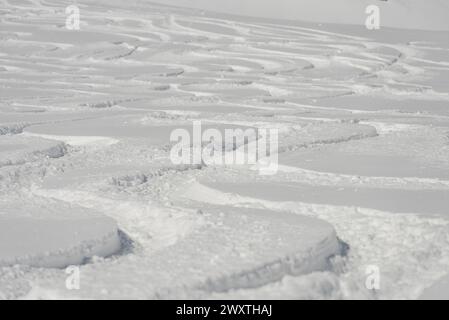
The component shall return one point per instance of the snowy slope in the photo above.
(408, 14)
(85, 123)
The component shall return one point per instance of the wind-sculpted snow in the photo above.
(54, 237)
(86, 176)
(422, 242)
(11, 128)
(16, 150)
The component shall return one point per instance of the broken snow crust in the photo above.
(438, 291)
(54, 238)
(85, 123)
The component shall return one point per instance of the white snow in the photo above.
(17, 150)
(438, 291)
(410, 14)
(85, 170)
(54, 237)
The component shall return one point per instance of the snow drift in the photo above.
(408, 14)
(39, 237)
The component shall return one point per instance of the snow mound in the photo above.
(17, 149)
(233, 248)
(264, 246)
(43, 239)
(11, 128)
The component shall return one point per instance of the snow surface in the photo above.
(410, 14)
(85, 174)
(438, 291)
(54, 237)
(17, 150)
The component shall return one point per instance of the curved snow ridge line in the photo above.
(439, 63)
(162, 33)
(293, 245)
(96, 141)
(299, 263)
(379, 238)
(50, 234)
(320, 35)
(381, 63)
(329, 178)
(308, 106)
(17, 176)
(274, 91)
(202, 193)
(105, 245)
(12, 128)
(305, 245)
(182, 29)
(109, 103)
(199, 94)
(149, 225)
(124, 55)
(139, 178)
(266, 65)
(384, 128)
(286, 54)
(353, 137)
(25, 156)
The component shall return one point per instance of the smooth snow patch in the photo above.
(55, 241)
(76, 140)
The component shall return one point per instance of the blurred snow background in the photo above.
(409, 14)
